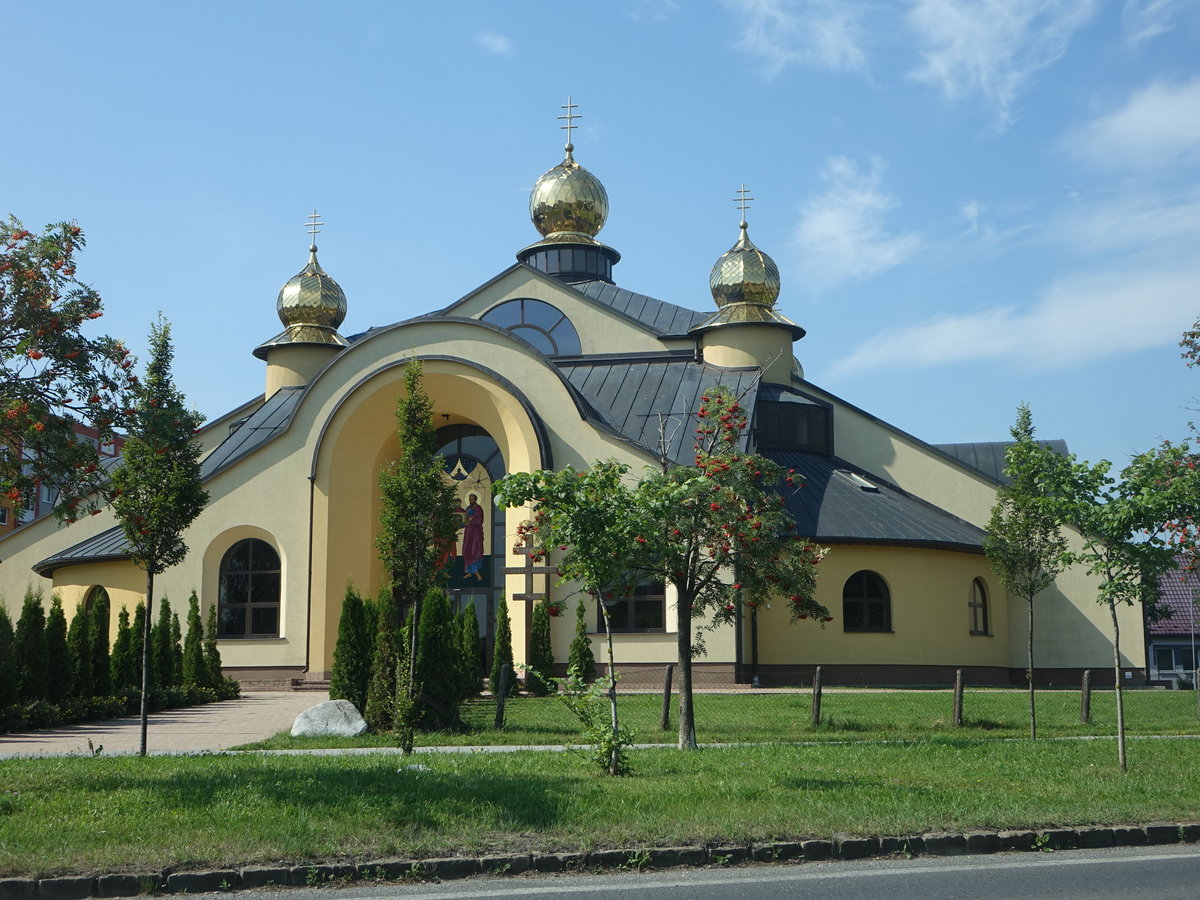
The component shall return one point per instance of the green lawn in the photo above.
(768, 716)
(77, 814)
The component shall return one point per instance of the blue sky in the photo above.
(972, 204)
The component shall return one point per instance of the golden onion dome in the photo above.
(311, 297)
(744, 274)
(568, 203)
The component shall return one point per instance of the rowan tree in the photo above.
(157, 492)
(1024, 540)
(52, 373)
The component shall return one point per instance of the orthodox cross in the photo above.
(529, 569)
(743, 202)
(570, 117)
(313, 227)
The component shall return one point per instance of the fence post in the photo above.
(502, 694)
(958, 691)
(816, 700)
(665, 722)
(1085, 698)
(1196, 688)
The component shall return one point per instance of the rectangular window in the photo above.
(792, 426)
(3, 515)
(644, 610)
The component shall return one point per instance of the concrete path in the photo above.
(215, 726)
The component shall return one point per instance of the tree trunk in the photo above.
(1121, 760)
(614, 757)
(146, 659)
(687, 718)
(1029, 676)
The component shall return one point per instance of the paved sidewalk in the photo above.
(214, 726)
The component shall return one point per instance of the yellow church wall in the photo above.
(745, 346)
(600, 331)
(124, 582)
(295, 364)
(930, 590)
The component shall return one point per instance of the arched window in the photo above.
(248, 595)
(979, 607)
(866, 603)
(95, 594)
(538, 322)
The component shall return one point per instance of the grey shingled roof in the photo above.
(627, 393)
(831, 507)
(107, 545)
(657, 315)
(987, 458)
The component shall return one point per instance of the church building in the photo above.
(551, 362)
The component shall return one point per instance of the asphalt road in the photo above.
(1163, 873)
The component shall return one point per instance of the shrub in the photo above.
(581, 660)
(123, 664)
(195, 674)
(8, 661)
(502, 652)
(212, 653)
(351, 674)
(437, 656)
(30, 641)
(541, 653)
(59, 665)
(79, 639)
(162, 651)
(381, 690)
(470, 651)
(98, 627)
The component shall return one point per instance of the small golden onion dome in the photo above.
(744, 274)
(568, 202)
(311, 297)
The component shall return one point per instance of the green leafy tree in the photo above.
(8, 660)
(212, 653)
(59, 665)
(53, 374)
(718, 532)
(124, 668)
(1025, 543)
(98, 629)
(193, 670)
(33, 668)
(351, 673)
(470, 651)
(417, 521)
(581, 659)
(1125, 541)
(541, 653)
(157, 488)
(79, 639)
(502, 650)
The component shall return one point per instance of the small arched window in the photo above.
(543, 325)
(978, 606)
(248, 593)
(866, 603)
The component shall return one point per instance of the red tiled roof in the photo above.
(1179, 591)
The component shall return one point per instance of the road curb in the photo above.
(639, 858)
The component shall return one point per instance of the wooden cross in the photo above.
(529, 570)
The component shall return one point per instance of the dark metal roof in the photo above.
(987, 458)
(107, 545)
(632, 394)
(268, 421)
(1179, 595)
(657, 315)
(833, 506)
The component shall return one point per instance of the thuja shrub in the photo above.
(541, 653)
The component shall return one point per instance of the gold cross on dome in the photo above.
(571, 116)
(313, 224)
(742, 201)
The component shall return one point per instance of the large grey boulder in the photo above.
(333, 718)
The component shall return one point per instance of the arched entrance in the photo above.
(473, 462)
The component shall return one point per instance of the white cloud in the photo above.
(1142, 20)
(496, 44)
(841, 236)
(1158, 126)
(1167, 226)
(821, 34)
(992, 48)
(1079, 319)
(653, 10)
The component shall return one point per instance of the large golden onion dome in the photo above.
(311, 297)
(311, 306)
(744, 274)
(568, 203)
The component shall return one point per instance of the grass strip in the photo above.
(88, 815)
(765, 716)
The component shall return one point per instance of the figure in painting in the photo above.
(472, 543)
